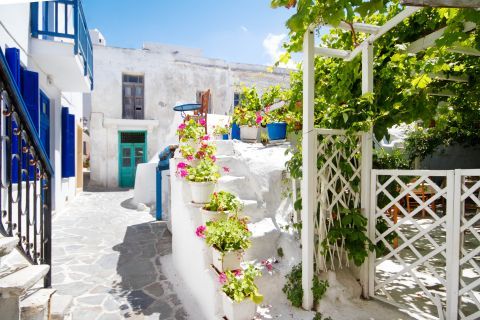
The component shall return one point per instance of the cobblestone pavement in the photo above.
(109, 257)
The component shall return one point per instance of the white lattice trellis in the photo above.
(338, 183)
(428, 225)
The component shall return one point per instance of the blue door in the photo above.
(45, 122)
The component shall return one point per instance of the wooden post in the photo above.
(309, 154)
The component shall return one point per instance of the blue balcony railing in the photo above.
(64, 19)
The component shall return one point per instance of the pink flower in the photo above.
(267, 264)
(190, 158)
(181, 165)
(183, 173)
(200, 154)
(237, 272)
(259, 119)
(200, 232)
(182, 126)
(213, 158)
(222, 278)
(267, 109)
(226, 169)
(206, 137)
(202, 122)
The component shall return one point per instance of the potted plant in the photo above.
(221, 132)
(202, 179)
(229, 238)
(276, 125)
(240, 294)
(221, 205)
(247, 114)
(191, 131)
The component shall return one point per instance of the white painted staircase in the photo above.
(22, 295)
(255, 176)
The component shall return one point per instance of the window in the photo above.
(133, 97)
(199, 99)
(236, 99)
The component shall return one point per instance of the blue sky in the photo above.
(235, 30)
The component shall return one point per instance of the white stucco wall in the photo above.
(15, 32)
(172, 75)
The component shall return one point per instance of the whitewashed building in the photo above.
(48, 49)
(132, 115)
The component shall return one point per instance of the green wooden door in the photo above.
(131, 154)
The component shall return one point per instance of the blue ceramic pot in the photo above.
(277, 130)
(235, 131)
(225, 136)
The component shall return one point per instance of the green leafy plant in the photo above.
(206, 150)
(239, 285)
(221, 130)
(319, 316)
(187, 151)
(191, 130)
(352, 229)
(230, 234)
(223, 201)
(205, 171)
(293, 287)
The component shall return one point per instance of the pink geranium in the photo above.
(183, 173)
(222, 278)
(182, 126)
(190, 158)
(202, 122)
(226, 169)
(206, 137)
(181, 165)
(213, 158)
(259, 119)
(200, 232)
(267, 264)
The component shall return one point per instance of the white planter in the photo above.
(227, 261)
(201, 191)
(217, 137)
(208, 216)
(244, 310)
(248, 133)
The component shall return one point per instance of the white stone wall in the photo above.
(15, 32)
(172, 75)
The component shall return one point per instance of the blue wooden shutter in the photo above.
(12, 56)
(30, 94)
(68, 144)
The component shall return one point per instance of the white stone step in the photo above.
(238, 185)
(224, 147)
(17, 283)
(35, 305)
(253, 210)
(264, 239)
(60, 307)
(7, 244)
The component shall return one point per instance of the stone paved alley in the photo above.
(108, 256)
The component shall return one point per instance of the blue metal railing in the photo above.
(64, 19)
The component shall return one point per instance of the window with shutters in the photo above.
(133, 96)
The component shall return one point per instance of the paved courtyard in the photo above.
(108, 256)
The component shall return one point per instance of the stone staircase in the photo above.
(22, 295)
(254, 176)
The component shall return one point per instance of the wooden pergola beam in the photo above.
(442, 3)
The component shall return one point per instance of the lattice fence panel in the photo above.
(409, 219)
(469, 290)
(338, 187)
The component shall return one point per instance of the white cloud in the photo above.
(273, 48)
(245, 29)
